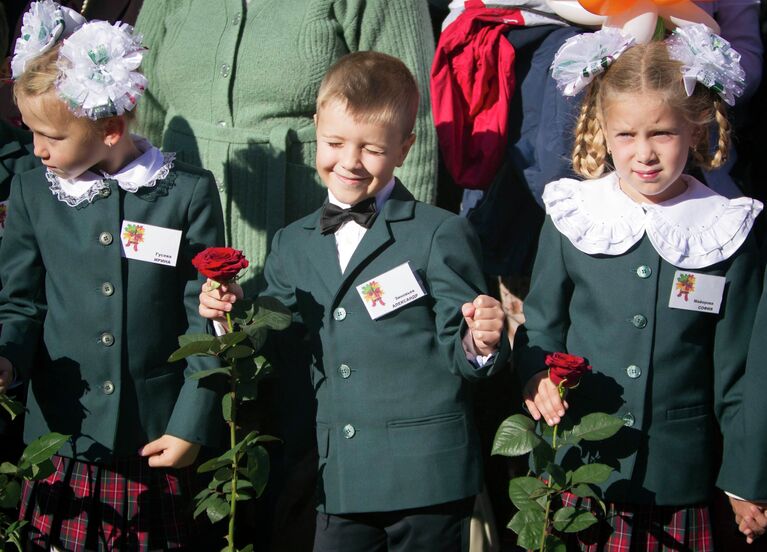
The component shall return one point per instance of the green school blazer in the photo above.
(92, 330)
(394, 420)
(672, 375)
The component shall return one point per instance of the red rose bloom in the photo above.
(566, 368)
(220, 263)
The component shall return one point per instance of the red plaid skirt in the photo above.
(643, 528)
(122, 506)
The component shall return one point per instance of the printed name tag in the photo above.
(153, 244)
(3, 214)
(390, 291)
(696, 292)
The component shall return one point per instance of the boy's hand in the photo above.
(484, 317)
(750, 517)
(542, 399)
(215, 303)
(6, 374)
(170, 452)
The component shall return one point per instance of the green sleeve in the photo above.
(196, 416)
(547, 318)
(401, 28)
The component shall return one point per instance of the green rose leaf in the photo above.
(515, 436)
(528, 525)
(6, 468)
(570, 520)
(195, 348)
(248, 548)
(592, 473)
(558, 475)
(186, 339)
(593, 427)
(41, 449)
(233, 338)
(238, 351)
(227, 406)
(584, 490)
(210, 372)
(243, 311)
(542, 456)
(10, 494)
(520, 489)
(14, 408)
(271, 314)
(258, 468)
(554, 544)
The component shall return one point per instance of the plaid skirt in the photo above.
(125, 505)
(642, 528)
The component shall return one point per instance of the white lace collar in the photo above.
(696, 229)
(143, 172)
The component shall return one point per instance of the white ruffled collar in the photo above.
(696, 229)
(143, 172)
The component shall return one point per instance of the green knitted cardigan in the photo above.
(233, 90)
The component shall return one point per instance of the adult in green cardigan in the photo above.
(232, 89)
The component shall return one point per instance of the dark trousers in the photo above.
(443, 527)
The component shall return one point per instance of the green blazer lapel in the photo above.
(322, 252)
(399, 206)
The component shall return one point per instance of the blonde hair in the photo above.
(374, 88)
(40, 76)
(648, 69)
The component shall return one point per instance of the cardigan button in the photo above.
(344, 371)
(339, 314)
(349, 431)
(236, 19)
(639, 321)
(107, 288)
(107, 339)
(108, 388)
(105, 238)
(633, 371)
(644, 271)
(628, 419)
(225, 70)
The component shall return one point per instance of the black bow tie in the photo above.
(333, 216)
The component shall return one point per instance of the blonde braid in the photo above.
(590, 149)
(723, 143)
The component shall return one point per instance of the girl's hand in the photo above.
(170, 452)
(485, 318)
(542, 399)
(750, 517)
(6, 374)
(215, 303)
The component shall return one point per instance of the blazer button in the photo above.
(105, 192)
(639, 321)
(633, 371)
(108, 388)
(107, 288)
(344, 371)
(105, 238)
(628, 419)
(349, 431)
(339, 314)
(107, 339)
(644, 271)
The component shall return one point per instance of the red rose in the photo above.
(566, 369)
(220, 263)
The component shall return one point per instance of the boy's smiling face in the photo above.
(356, 159)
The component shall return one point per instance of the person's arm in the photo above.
(22, 299)
(152, 107)
(401, 28)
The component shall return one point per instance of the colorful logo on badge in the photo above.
(133, 235)
(685, 285)
(373, 293)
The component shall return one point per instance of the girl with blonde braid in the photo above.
(654, 278)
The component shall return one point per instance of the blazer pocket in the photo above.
(688, 412)
(427, 435)
(323, 440)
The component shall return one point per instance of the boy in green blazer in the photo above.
(381, 282)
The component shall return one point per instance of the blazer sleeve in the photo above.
(196, 416)
(22, 300)
(547, 319)
(455, 277)
(739, 387)
(401, 28)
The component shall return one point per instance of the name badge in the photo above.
(390, 291)
(697, 292)
(3, 214)
(152, 244)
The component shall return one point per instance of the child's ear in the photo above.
(114, 129)
(406, 145)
